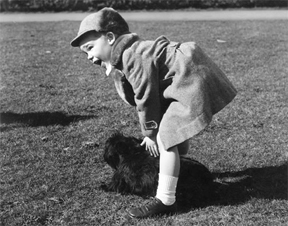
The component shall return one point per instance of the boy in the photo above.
(175, 87)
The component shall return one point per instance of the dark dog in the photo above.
(136, 172)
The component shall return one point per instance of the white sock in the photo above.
(166, 190)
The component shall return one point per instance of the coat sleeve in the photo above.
(142, 73)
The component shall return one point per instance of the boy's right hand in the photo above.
(151, 146)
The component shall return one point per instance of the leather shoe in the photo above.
(156, 207)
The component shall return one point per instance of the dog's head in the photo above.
(118, 146)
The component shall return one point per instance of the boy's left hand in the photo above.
(151, 146)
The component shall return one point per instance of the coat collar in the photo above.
(121, 43)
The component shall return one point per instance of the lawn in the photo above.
(57, 110)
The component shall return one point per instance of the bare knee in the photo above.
(162, 148)
(182, 148)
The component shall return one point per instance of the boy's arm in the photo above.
(142, 74)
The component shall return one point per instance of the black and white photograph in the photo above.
(143, 112)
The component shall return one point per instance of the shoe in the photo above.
(156, 207)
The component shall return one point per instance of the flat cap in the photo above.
(106, 19)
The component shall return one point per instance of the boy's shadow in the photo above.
(36, 119)
(232, 188)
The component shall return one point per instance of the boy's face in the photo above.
(98, 48)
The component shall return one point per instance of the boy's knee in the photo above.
(159, 142)
(182, 148)
(162, 148)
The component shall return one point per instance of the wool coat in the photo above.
(175, 87)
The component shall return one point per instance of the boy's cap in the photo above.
(106, 19)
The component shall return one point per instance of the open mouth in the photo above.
(97, 62)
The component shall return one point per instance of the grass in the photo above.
(57, 110)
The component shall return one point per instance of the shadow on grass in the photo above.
(36, 119)
(232, 188)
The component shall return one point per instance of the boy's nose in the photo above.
(89, 57)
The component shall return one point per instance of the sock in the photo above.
(166, 190)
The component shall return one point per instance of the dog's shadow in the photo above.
(232, 188)
(36, 119)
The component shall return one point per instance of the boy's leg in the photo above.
(165, 201)
(169, 168)
(169, 171)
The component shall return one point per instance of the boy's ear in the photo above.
(111, 37)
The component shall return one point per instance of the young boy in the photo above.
(175, 87)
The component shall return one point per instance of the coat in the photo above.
(175, 87)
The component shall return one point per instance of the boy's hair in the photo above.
(105, 20)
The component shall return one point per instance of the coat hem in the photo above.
(187, 132)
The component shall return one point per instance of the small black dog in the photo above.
(136, 172)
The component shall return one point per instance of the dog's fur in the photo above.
(136, 172)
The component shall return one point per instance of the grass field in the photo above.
(57, 110)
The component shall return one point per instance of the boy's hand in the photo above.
(151, 146)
